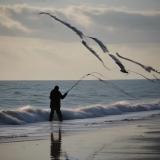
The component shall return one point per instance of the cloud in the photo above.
(121, 18)
(113, 25)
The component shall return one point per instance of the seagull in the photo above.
(147, 68)
(123, 70)
(91, 50)
(118, 63)
(103, 47)
(78, 32)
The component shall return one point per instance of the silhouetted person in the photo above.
(55, 104)
(56, 147)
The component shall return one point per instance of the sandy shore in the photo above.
(124, 140)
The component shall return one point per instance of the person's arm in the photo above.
(63, 96)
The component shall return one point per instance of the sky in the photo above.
(37, 47)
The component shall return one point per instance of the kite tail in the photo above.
(141, 75)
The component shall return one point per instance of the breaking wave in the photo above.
(30, 114)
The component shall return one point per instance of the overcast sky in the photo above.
(36, 47)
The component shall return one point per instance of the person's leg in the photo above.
(58, 111)
(51, 114)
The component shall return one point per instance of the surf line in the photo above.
(109, 83)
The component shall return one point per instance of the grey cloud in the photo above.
(122, 18)
(122, 26)
(38, 26)
(132, 21)
(128, 26)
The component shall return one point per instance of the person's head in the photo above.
(56, 88)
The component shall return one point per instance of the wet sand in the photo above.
(126, 140)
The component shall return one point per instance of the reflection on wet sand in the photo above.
(56, 149)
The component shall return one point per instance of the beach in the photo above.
(127, 139)
(99, 123)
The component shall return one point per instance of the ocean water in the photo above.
(24, 105)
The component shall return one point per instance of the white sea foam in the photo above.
(30, 114)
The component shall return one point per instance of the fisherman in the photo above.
(55, 104)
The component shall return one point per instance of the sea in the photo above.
(25, 106)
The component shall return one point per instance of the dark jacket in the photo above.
(55, 97)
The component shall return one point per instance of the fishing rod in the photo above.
(77, 82)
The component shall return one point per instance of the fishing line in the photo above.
(111, 84)
(156, 77)
(158, 80)
(114, 86)
(141, 75)
(108, 82)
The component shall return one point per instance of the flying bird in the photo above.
(123, 68)
(78, 32)
(147, 68)
(91, 50)
(103, 47)
(118, 63)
